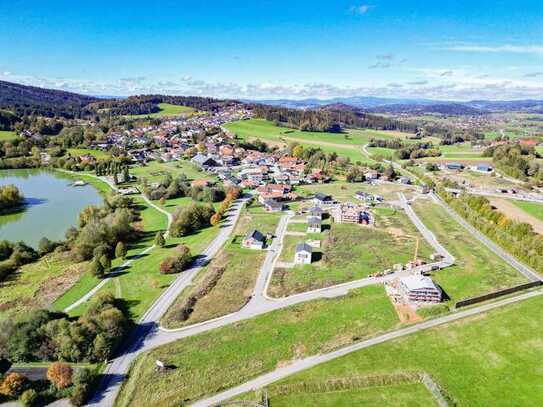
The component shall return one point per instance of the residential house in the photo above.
(271, 205)
(303, 254)
(204, 161)
(323, 200)
(484, 168)
(454, 166)
(420, 288)
(254, 240)
(314, 225)
(315, 212)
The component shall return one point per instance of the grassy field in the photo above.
(141, 283)
(236, 353)
(344, 191)
(477, 270)
(350, 252)
(238, 269)
(154, 171)
(532, 208)
(491, 359)
(37, 285)
(348, 144)
(167, 110)
(7, 136)
(76, 152)
(409, 394)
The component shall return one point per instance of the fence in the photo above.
(496, 294)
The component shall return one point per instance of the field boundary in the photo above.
(497, 294)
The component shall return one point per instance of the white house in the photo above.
(314, 224)
(420, 288)
(303, 254)
(254, 240)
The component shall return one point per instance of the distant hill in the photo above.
(30, 100)
(413, 106)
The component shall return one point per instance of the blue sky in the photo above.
(269, 49)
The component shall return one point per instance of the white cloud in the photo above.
(513, 49)
(463, 85)
(360, 9)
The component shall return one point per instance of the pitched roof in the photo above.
(255, 234)
(303, 247)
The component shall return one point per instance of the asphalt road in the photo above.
(146, 330)
(520, 267)
(313, 361)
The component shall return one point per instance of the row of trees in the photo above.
(517, 238)
(232, 194)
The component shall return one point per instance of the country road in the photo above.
(146, 328)
(149, 335)
(517, 265)
(312, 361)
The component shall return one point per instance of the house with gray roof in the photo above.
(303, 254)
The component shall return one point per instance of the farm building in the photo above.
(420, 288)
(314, 225)
(254, 240)
(303, 254)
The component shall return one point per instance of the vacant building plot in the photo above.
(222, 358)
(521, 212)
(491, 359)
(345, 191)
(166, 110)
(477, 270)
(227, 283)
(350, 252)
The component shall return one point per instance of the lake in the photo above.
(52, 205)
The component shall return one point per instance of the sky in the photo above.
(446, 50)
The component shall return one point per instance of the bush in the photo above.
(96, 268)
(178, 262)
(29, 398)
(120, 250)
(60, 374)
(159, 239)
(46, 246)
(13, 385)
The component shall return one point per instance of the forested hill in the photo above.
(146, 104)
(330, 118)
(30, 100)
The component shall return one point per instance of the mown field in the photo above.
(408, 394)
(7, 135)
(491, 359)
(76, 152)
(477, 270)
(236, 269)
(167, 109)
(236, 353)
(348, 144)
(350, 252)
(155, 171)
(532, 208)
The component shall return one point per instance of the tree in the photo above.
(120, 250)
(215, 219)
(60, 374)
(159, 239)
(13, 385)
(105, 261)
(96, 268)
(297, 151)
(115, 179)
(390, 173)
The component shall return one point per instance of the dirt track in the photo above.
(508, 208)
